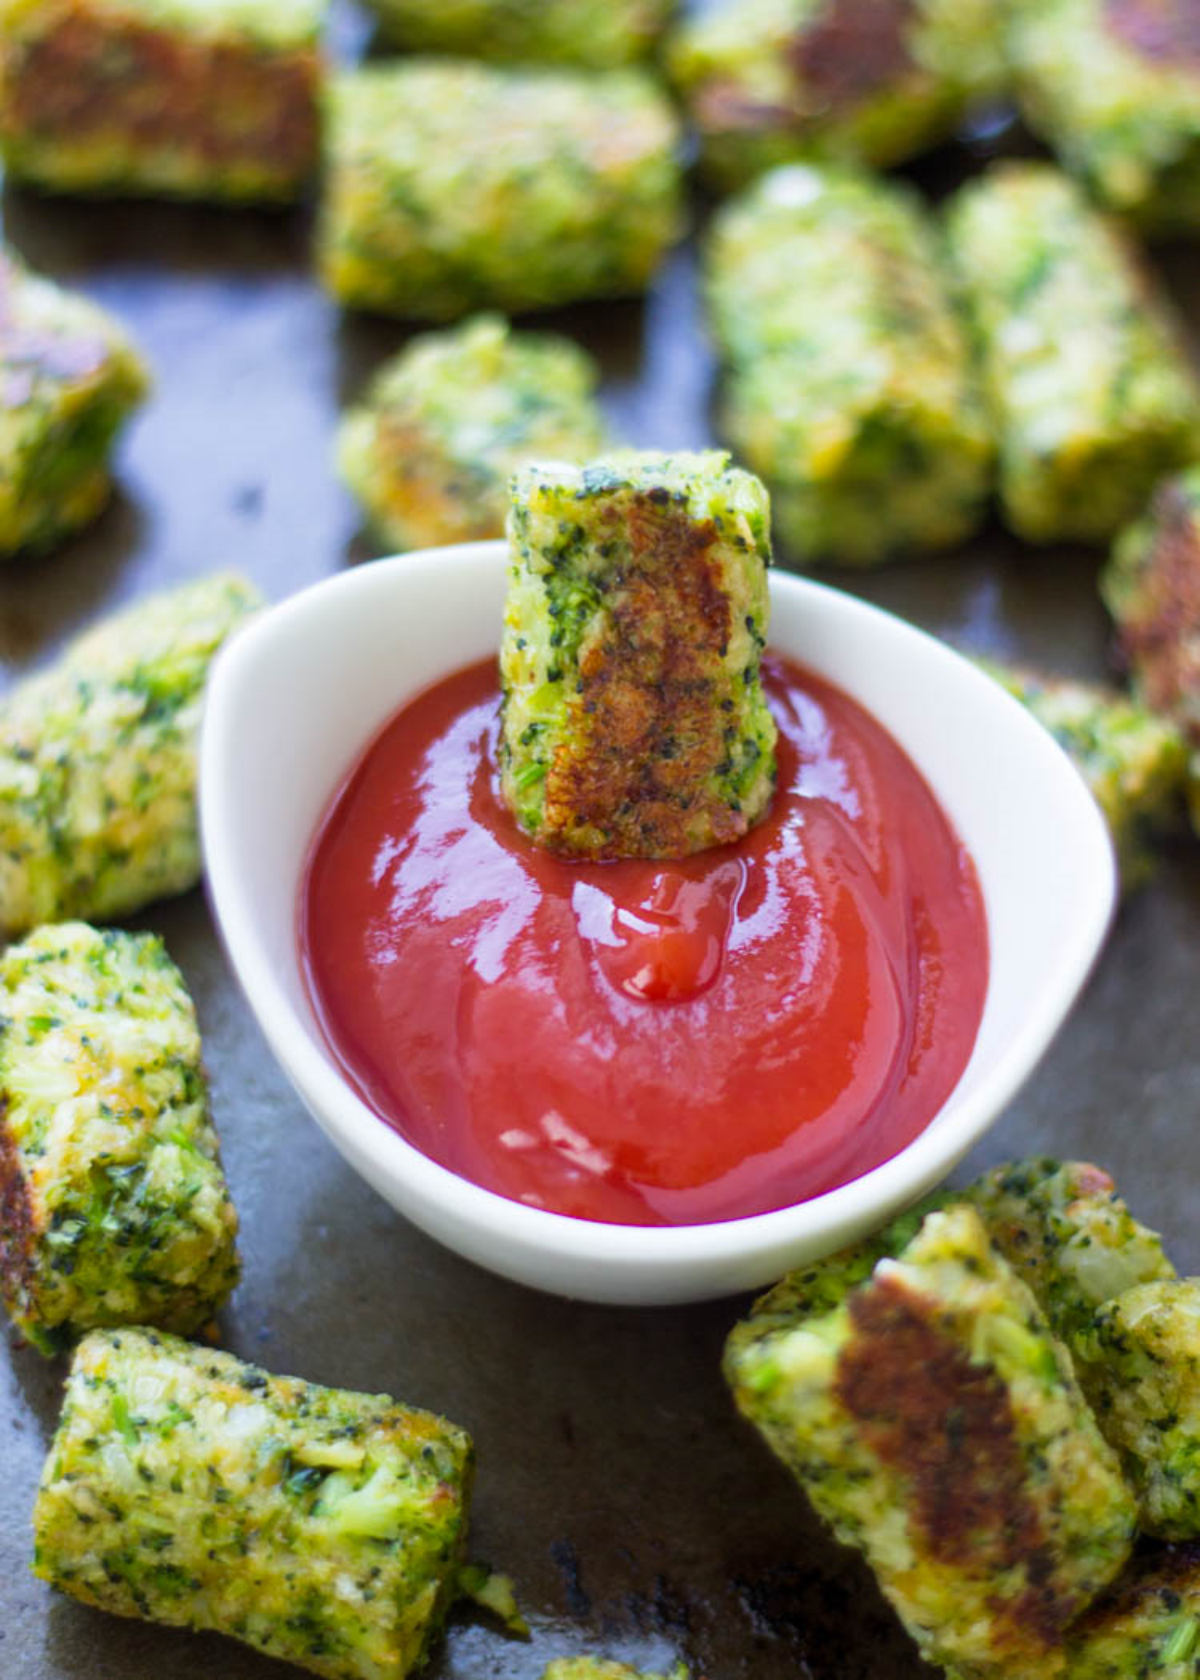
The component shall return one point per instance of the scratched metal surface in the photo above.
(637, 1516)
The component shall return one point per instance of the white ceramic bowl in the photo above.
(296, 697)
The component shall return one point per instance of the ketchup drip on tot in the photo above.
(642, 1042)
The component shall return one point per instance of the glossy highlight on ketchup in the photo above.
(646, 1043)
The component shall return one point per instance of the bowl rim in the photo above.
(376, 1150)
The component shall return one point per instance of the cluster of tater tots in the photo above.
(890, 373)
(991, 1398)
(999, 1392)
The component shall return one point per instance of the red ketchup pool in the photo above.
(646, 1043)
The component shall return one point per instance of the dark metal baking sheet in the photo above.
(636, 1514)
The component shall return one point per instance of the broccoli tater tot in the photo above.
(935, 1423)
(1114, 87)
(447, 422)
(191, 98)
(113, 1204)
(861, 411)
(318, 1525)
(71, 379)
(453, 185)
(1090, 389)
(872, 81)
(634, 721)
(98, 761)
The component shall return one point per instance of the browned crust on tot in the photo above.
(1164, 31)
(18, 1226)
(650, 691)
(86, 78)
(1154, 639)
(947, 1425)
(852, 48)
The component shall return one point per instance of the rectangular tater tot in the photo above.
(70, 378)
(634, 721)
(98, 761)
(1151, 586)
(849, 383)
(447, 422)
(592, 34)
(1088, 380)
(1114, 87)
(1134, 761)
(453, 186)
(935, 1423)
(113, 1204)
(869, 81)
(197, 98)
(320, 1526)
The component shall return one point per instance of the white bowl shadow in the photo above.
(296, 697)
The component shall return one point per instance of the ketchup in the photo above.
(637, 1042)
